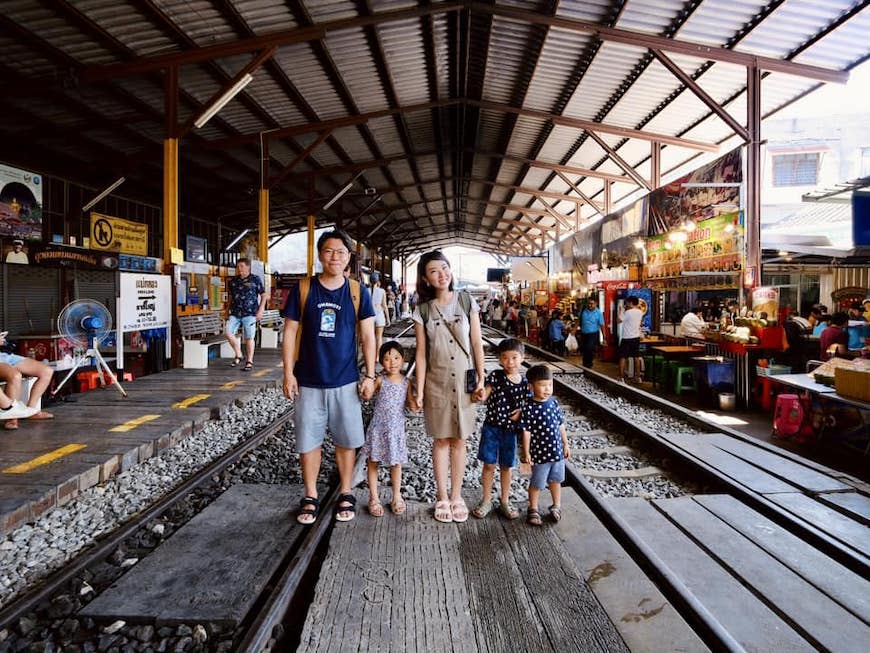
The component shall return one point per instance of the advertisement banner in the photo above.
(671, 205)
(714, 248)
(116, 235)
(766, 299)
(145, 302)
(20, 203)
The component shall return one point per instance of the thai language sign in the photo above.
(145, 302)
(117, 235)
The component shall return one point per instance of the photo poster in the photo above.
(671, 204)
(20, 203)
(619, 231)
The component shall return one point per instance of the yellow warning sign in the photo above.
(112, 234)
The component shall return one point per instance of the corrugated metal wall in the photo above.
(847, 277)
(30, 299)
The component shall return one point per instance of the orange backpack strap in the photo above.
(304, 289)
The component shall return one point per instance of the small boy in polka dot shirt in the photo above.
(505, 393)
(545, 443)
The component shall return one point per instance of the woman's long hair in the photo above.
(424, 290)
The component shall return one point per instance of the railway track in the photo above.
(631, 447)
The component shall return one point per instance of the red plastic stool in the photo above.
(764, 392)
(88, 380)
(791, 418)
(128, 376)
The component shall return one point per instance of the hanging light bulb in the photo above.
(689, 225)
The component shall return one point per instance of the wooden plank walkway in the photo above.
(408, 583)
(214, 567)
(103, 433)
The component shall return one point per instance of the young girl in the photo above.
(449, 345)
(385, 437)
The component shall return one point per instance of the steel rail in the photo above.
(105, 546)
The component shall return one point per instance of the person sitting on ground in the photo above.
(545, 443)
(12, 368)
(693, 324)
(834, 340)
(505, 393)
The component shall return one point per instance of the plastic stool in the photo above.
(764, 392)
(670, 372)
(128, 376)
(680, 382)
(88, 380)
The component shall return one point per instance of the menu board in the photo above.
(713, 247)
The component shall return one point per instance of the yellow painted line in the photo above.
(133, 423)
(231, 385)
(190, 401)
(261, 372)
(44, 459)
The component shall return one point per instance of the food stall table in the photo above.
(675, 352)
(827, 396)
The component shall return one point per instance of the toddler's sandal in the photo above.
(556, 513)
(533, 517)
(507, 510)
(482, 509)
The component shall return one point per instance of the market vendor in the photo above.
(693, 324)
(857, 327)
(834, 340)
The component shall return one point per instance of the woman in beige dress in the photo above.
(447, 328)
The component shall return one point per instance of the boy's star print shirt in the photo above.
(506, 397)
(542, 420)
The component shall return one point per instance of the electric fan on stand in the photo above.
(83, 324)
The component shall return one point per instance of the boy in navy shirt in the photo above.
(505, 393)
(545, 443)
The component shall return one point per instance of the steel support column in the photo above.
(753, 171)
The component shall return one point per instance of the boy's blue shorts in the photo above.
(497, 445)
(545, 473)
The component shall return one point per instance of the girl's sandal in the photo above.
(459, 511)
(375, 508)
(533, 517)
(442, 512)
(482, 510)
(398, 506)
(556, 513)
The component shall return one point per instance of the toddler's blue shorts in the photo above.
(545, 473)
(497, 446)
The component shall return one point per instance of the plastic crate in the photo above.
(772, 369)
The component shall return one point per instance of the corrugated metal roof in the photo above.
(505, 76)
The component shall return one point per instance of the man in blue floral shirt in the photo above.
(247, 300)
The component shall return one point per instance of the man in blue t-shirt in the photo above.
(591, 324)
(247, 300)
(322, 374)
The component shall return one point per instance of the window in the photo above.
(865, 162)
(796, 169)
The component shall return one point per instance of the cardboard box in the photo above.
(852, 383)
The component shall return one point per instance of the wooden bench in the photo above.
(271, 328)
(200, 332)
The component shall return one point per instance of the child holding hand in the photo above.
(505, 392)
(385, 436)
(545, 443)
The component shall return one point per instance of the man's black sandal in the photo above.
(308, 506)
(349, 499)
(248, 366)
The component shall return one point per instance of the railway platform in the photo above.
(46, 463)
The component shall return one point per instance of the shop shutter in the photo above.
(99, 285)
(31, 300)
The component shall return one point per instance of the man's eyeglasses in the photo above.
(329, 253)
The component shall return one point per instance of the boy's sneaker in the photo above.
(17, 411)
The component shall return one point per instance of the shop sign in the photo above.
(116, 235)
(766, 299)
(52, 255)
(714, 247)
(145, 302)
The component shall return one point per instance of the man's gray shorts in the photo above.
(338, 408)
